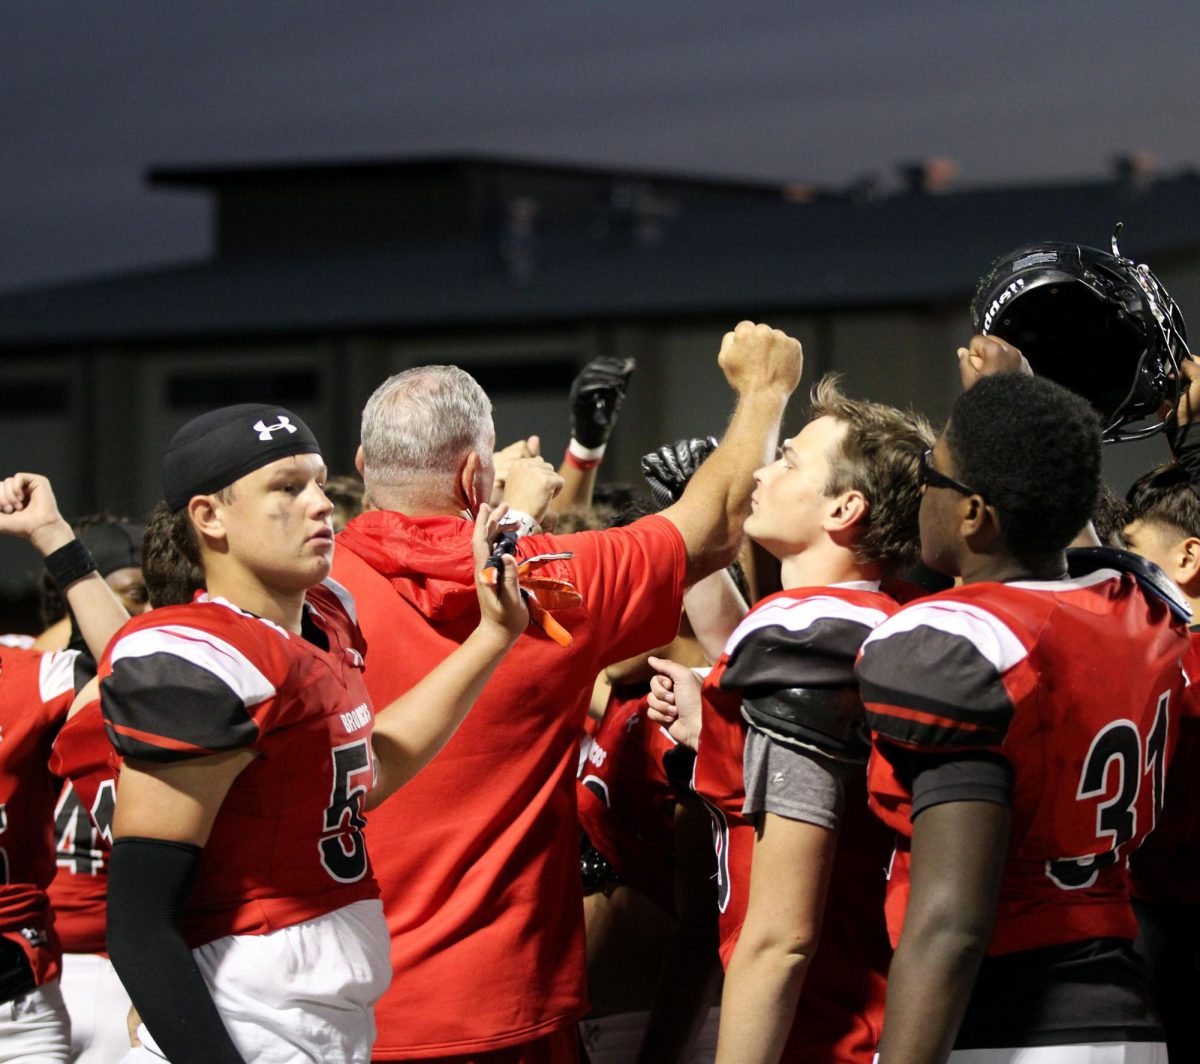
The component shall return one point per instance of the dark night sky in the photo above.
(802, 90)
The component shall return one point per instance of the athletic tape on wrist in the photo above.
(72, 561)
(524, 522)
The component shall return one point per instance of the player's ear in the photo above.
(977, 521)
(847, 510)
(1187, 565)
(360, 462)
(204, 511)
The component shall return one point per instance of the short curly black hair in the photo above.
(1032, 450)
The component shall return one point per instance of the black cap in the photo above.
(213, 450)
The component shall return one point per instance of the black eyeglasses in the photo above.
(927, 475)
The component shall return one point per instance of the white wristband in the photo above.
(585, 454)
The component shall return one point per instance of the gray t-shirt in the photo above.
(797, 784)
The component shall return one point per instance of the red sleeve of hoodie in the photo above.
(631, 580)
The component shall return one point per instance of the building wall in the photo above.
(97, 420)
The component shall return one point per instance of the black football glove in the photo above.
(596, 396)
(668, 469)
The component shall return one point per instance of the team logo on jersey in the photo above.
(264, 430)
(359, 717)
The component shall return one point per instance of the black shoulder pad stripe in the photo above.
(774, 657)
(162, 708)
(932, 688)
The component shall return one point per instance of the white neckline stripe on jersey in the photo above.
(985, 631)
(343, 596)
(1058, 586)
(208, 600)
(203, 650)
(797, 615)
(56, 673)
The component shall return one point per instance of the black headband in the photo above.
(213, 450)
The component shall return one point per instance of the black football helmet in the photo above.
(1096, 323)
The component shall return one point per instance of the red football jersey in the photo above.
(803, 637)
(1167, 866)
(478, 856)
(82, 756)
(287, 844)
(36, 691)
(626, 801)
(1074, 683)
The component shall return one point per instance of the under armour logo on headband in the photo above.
(264, 430)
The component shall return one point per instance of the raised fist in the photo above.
(503, 459)
(596, 397)
(988, 355)
(669, 469)
(29, 511)
(531, 486)
(755, 357)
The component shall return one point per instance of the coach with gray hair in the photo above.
(477, 858)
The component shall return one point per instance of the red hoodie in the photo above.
(477, 858)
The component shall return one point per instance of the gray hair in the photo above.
(422, 422)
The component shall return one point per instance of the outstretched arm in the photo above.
(596, 397)
(410, 731)
(28, 510)
(958, 851)
(763, 367)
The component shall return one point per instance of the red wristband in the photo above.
(583, 458)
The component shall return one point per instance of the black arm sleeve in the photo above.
(148, 882)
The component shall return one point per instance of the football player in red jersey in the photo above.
(35, 691)
(1021, 725)
(243, 915)
(1164, 527)
(839, 509)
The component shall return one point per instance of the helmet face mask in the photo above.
(1094, 322)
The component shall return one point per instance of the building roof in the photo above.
(608, 245)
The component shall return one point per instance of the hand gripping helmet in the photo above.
(1096, 323)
